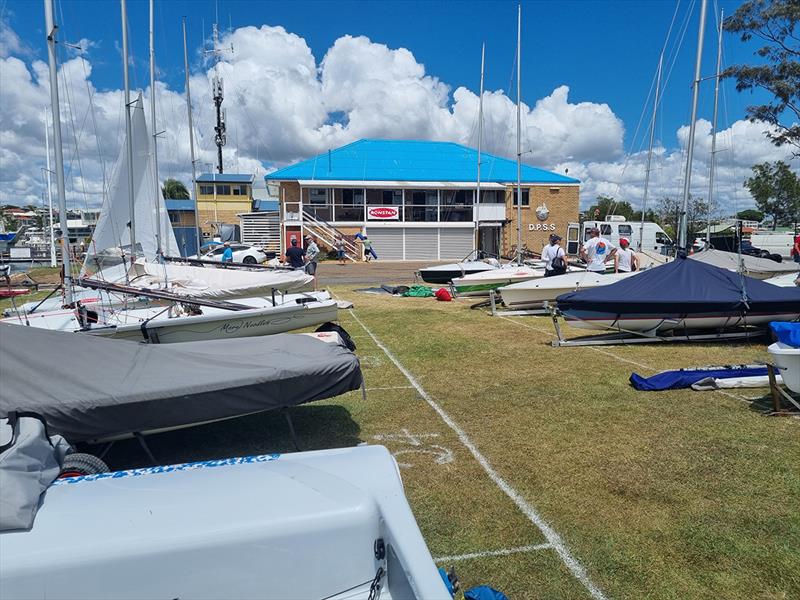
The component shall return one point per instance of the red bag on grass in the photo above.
(443, 295)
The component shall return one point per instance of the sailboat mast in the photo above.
(50, 29)
(476, 203)
(714, 128)
(128, 137)
(157, 189)
(683, 242)
(49, 189)
(519, 137)
(650, 149)
(191, 137)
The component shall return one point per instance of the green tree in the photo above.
(606, 205)
(776, 190)
(750, 214)
(174, 190)
(774, 23)
(669, 210)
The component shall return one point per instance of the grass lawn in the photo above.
(667, 495)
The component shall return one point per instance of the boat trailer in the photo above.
(621, 336)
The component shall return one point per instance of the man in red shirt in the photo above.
(796, 249)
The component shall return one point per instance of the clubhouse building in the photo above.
(416, 199)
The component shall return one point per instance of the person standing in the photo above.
(312, 255)
(296, 256)
(340, 253)
(369, 251)
(597, 251)
(625, 259)
(796, 249)
(554, 256)
(227, 253)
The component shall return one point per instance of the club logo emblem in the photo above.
(542, 212)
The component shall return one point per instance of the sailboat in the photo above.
(126, 267)
(684, 295)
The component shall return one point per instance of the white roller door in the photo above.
(387, 241)
(455, 243)
(422, 243)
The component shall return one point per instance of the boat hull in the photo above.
(787, 359)
(269, 527)
(534, 293)
(483, 283)
(219, 324)
(444, 274)
(655, 324)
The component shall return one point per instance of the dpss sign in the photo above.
(383, 213)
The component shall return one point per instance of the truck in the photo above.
(615, 227)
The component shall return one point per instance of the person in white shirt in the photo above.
(549, 253)
(597, 251)
(625, 259)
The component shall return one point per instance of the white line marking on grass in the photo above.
(488, 553)
(550, 534)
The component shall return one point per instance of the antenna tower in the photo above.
(217, 89)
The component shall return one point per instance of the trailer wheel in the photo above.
(79, 463)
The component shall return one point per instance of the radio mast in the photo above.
(217, 89)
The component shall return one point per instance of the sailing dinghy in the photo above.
(535, 293)
(331, 524)
(682, 295)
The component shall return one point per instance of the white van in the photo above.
(774, 243)
(615, 227)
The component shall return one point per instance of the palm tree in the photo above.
(174, 190)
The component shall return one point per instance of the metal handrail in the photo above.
(325, 226)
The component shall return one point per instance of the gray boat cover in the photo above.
(754, 266)
(88, 388)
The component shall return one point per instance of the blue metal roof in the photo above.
(226, 178)
(179, 204)
(411, 160)
(267, 205)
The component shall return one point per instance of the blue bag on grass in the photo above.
(484, 592)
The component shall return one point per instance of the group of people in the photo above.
(596, 252)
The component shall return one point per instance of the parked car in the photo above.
(248, 255)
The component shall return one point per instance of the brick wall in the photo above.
(562, 204)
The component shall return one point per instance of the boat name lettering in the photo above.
(234, 327)
(541, 226)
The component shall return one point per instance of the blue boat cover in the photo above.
(684, 378)
(788, 333)
(684, 286)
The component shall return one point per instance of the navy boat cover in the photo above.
(686, 287)
(684, 378)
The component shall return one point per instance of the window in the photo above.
(662, 238)
(625, 230)
(605, 229)
(240, 190)
(315, 195)
(174, 217)
(526, 200)
(422, 205)
(352, 197)
(223, 189)
(459, 197)
(493, 197)
(385, 197)
(206, 189)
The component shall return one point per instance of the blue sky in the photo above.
(605, 52)
(309, 76)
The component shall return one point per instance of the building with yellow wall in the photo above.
(221, 197)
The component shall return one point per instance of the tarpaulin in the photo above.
(684, 378)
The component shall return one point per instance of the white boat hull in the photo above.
(787, 359)
(270, 527)
(671, 323)
(261, 318)
(480, 284)
(534, 293)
